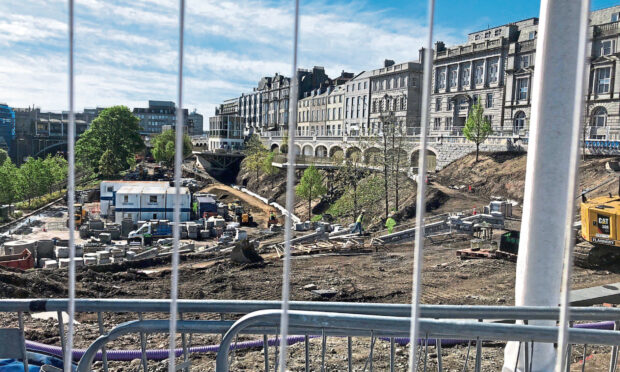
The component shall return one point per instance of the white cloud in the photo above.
(126, 51)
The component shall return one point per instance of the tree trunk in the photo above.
(477, 151)
(385, 175)
(310, 207)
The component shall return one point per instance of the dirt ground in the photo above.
(379, 276)
(383, 276)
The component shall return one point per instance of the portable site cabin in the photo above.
(150, 202)
(127, 202)
(110, 188)
(153, 202)
(207, 206)
(185, 203)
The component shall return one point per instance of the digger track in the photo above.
(590, 256)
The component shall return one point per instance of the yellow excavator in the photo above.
(599, 239)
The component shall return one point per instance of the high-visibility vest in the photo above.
(360, 218)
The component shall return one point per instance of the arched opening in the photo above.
(431, 160)
(320, 151)
(519, 122)
(336, 152)
(354, 153)
(308, 151)
(372, 156)
(398, 158)
(275, 148)
(297, 150)
(599, 117)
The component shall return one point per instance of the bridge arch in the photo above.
(431, 159)
(372, 156)
(354, 153)
(275, 148)
(320, 151)
(307, 150)
(398, 157)
(48, 150)
(336, 152)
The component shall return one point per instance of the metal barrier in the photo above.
(312, 319)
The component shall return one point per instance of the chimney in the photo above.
(388, 63)
(440, 46)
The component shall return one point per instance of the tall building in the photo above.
(157, 115)
(356, 104)
(250, 109)
(495, 68)
(393, 88)
(195, 123)
(7, 128)
(275, 95)
(226, 128)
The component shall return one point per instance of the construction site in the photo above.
(232, 247)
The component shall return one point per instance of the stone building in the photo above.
(250, 109)
(335, 107)
(496, 68)
(394, 88)
(312, 113)
(602, 110)
(468, 74)
(275, 95)
(357, 104)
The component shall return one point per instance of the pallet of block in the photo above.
(320, 247)
(476, 253)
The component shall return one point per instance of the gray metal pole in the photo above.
(551, 169)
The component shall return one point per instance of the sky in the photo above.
(126, 51)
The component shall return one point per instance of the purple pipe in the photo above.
(161, 354)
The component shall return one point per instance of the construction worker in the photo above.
(390, 223)
(358, 224)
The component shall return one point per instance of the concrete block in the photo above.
(61, 252)
(105, 238)
(45, 249)
(50, 264)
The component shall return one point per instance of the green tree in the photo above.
(115, 129)
(32, 179)
(255, 153)
(9, 187)
(478, 128)
(54, 169)
(349, 174)
(284, 144)
(163, 147)
(268, 168)
(109, 164)
(310, 187)
(3, 156)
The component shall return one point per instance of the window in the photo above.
(437, 124)
(519, 122)
(453, 77)
(389, 83)
(347, 107)
(364, 108)
(603, 80)
(477, 37)
(374, 106)
(607, 47)
(525, 61)
(442, 79)
(487, 34)
(476, 98)
(448, 123)
(599, 117)
(465, 75)
(531, 35)
(489, 102)
(152, 199)
(403, 103)
(498, 32)
(353, 87)
(110, 188)
(357, 108)
(522, 85)
(615, 17)
(339, 113)
(437, 104)
(488, 118)
(125, 198)
(449, 104)
(493, 69)
(365, 84)
(478, 73)
(359, 86)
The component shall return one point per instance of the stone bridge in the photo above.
(441, 151)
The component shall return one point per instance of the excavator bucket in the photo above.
(244, 252)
